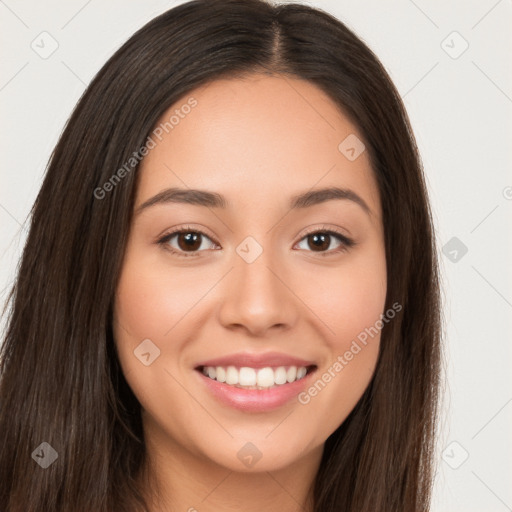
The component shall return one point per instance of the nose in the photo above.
(258, 297)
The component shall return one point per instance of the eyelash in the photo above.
(346, 242)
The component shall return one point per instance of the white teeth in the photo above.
(291, 374)
(231, 375)
(265, 377)
(221, 374)
(280, 375)
(247, 376)
(255, 378)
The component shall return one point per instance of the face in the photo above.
(248, 282)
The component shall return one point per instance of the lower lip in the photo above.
(255, 400)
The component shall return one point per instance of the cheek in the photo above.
(155, 303)
(359, 299)
(146, 307)
(151, 300)
(347, 300)
(350, 304)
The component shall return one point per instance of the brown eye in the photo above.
(187, 242)
(321, 241)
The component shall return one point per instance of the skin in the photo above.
(257, 141)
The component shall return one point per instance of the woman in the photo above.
(229, 296)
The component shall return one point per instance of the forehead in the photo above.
(261, 136)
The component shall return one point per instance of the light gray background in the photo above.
(460, 109)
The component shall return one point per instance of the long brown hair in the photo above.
(60, 379)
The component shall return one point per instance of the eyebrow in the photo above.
(215, 200)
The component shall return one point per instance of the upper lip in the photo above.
(263, 360)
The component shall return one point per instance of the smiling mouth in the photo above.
(246, 377)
